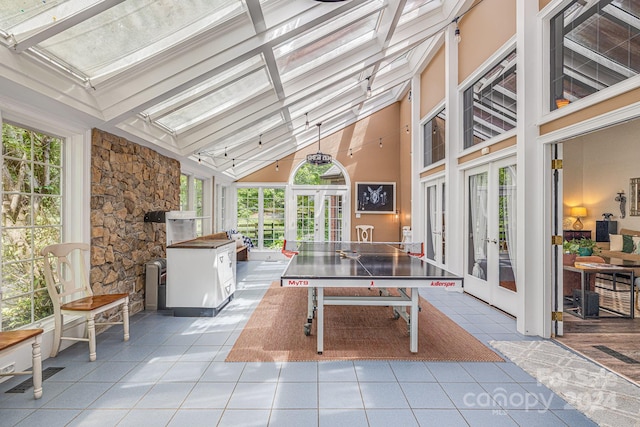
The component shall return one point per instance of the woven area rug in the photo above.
(275, 332)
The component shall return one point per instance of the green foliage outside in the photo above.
(272, 212)
(311, 175)
(31, 219)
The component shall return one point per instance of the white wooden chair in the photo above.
(71, 294)
(365, 233)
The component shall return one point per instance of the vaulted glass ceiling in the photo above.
(229, 82)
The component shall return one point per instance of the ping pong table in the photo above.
(379, 266)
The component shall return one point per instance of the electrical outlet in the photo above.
(11, 367)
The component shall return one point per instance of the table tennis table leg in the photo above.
(413, 325)
(320, 319)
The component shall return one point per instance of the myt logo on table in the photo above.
(298, 283)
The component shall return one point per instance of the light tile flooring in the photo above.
(172, 372)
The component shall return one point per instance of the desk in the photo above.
(364, 265)
(585, 270)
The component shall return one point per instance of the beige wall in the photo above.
(595, 167)
(590, 112)
(432, 83)
(488, 26)
(369, 163)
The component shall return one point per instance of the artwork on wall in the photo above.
(634, 187)
(376, 197)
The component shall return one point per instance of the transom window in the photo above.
(31, 219)
(594, 45)
(490, 103)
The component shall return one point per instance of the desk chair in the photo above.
(71, 294)
(365, 233)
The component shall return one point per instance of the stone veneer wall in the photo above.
(127, 180)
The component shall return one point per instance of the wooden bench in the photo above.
(10, 339)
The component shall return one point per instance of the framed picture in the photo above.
(376, 197)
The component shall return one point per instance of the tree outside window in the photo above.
(31, 219)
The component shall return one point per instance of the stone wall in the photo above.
(127, 180)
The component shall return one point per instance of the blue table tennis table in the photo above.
(379, 266)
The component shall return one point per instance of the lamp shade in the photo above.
(579, 212)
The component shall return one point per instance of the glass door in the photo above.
(435, 221)
(491, 234)
(320, 215)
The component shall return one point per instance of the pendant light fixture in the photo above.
(319, 159)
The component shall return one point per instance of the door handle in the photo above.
(492, 240)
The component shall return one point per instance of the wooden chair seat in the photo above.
(10, 339)
(93, 302)
(71, 294)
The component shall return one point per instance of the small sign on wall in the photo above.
(375, 197)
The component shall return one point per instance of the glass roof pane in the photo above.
(13, 12)
(248, 133)
(134, 30)
(204, 87)
(330, 94)
(217, 101)
(412, 9)
(327, 48)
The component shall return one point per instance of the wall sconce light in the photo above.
(578, 212)
(277, 167)
(369, 87)
(456, 33)
(260, 142)
(622, 199)
(306, 123)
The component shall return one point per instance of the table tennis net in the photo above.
(292, 247)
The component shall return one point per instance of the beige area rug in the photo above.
(275, 332)
(606, 398)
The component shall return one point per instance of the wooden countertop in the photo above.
(200, 244)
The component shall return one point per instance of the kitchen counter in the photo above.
(200, 244)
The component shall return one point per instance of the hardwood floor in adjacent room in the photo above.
(611, 342)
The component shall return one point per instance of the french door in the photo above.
(320, 215)
(435, 242)
(490, 267)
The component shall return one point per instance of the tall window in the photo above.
(31, 219)
(594, 45)
(192, 199)
(434, 139)
(490, 103)
(184, 192)
(261, 215)
(221, 208)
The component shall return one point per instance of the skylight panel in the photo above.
(332, 93)
(414, 8)
(133, 31)
(327, 48)
(14, 12)
(217, 101)
(205, 87)
(249, 133)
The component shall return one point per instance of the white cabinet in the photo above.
(201, 277)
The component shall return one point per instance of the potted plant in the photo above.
(585, 246)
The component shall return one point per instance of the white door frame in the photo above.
(489, 289)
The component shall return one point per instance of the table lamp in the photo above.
(578, 212)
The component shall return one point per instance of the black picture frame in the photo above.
(375, 197)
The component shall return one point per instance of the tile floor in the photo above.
(172, 372)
